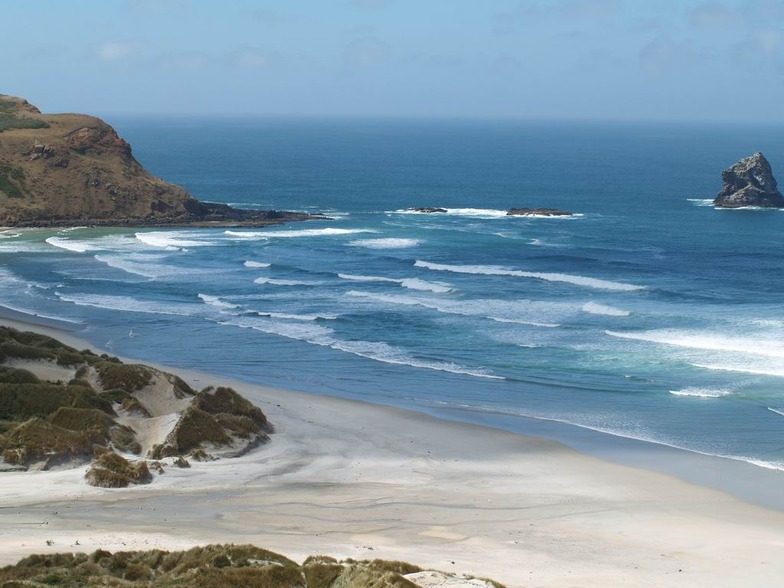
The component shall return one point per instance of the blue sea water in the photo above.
(649, 314)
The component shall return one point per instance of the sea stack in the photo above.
(749, 182)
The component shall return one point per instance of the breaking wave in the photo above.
(492, 270)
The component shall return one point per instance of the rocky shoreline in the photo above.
(60, 170)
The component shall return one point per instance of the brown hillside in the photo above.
(61, 169)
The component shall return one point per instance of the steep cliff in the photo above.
(61, 169)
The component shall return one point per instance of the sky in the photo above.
(646, 60)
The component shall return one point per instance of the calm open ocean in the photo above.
(649, 314)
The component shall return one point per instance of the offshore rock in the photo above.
(66, 169)
(749, 182)
(428, 209)
(537, 212)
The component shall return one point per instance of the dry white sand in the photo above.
(351, 479)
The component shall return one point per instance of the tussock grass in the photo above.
(127, 377)
(211, 566)
(114, 471)
(195, 428)
(38, 439)
(228, 401)
(9, 375)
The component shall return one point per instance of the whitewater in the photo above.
(646, 315)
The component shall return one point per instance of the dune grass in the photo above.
(211, 566)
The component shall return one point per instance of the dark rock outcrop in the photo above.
(66, 169)
(749, 182)
(428, 209)
(537, 212)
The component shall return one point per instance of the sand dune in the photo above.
(355, 480)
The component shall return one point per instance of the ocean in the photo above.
(647, 315)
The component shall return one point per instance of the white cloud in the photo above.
(251, 58)
(366, 52)
(713, 15)
(664, 55)
(115, 50)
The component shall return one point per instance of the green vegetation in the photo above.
(11, 179)
(11, 121)
(26, 345)
(226, 400)
(56, 421)
(126, 377)
(37, 439)
(110, 470)
(212, 566)
(195, 428)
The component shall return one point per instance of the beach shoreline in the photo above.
(352, 479)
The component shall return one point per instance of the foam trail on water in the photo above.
(216, 301)
(523, 312)
(296, 317)
(603, 309)
(417, 284)
(277, 282)
(707, 341)
(130, 304)
(68, 244)
(373, 350)
(360, 278)
(492, 270)
(255, 264)
(778, 411)
(328, 232)
(389, 243)
(702, 392)
(411, 283)
(168, 240)
(144, 265)
(775, 369)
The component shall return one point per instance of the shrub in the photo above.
(37, 439)
(114, 471)
(226, 400)
(127, 377)
(9, 375)
(195, 428)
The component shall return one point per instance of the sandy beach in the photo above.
(350, 479)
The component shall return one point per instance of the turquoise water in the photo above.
(649, 314)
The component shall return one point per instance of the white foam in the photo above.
(523, 312)
(68, 244)
(701, 201)
(169, 240)
(493, 270)
(481, 213)
(603, 309)
(361, 278)
(216, 301)
(411, 283)
(702, 392)
(423, 285)
(129, 304)
(373, 350)
(707, 341)
(143, 265)
(277, 282)
(327, 232)
(296, 317)
(255, 264)
(756, 368)
(388, 243)
(778, 411)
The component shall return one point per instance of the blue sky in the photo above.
(715, 60)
